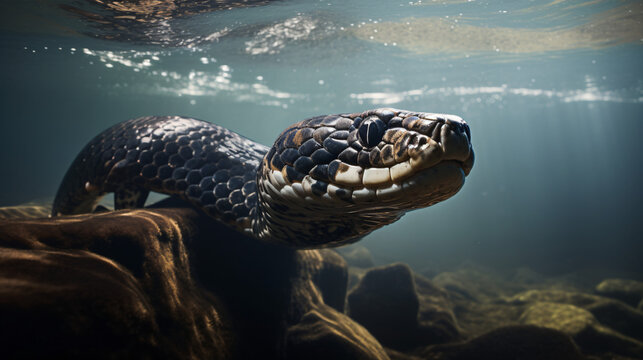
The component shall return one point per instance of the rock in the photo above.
(628, 291)
(164, 283)
(400, 314)
(475, 283)
(582, 326)
(456, 285)
(436, 321)
(355, 275)
(398, 355)
(102, 286)
(612, 313)
(554, 296)
(562, 317)
(332, 279)
(323, 333)
(475, 294)
(357, 256)
(385, 302)
(618, 316)
(510, 343)
(640, 305)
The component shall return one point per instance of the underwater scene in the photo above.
(321, 179)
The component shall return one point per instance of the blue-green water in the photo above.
(553, 93)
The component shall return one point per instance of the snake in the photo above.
(326, 181)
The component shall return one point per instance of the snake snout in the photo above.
(435, 138)
(457, 143)
(455, 138)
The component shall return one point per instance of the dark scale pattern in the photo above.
(217, 171)
(306, 148)
(198, 161)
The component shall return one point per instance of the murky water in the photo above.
(553, 92)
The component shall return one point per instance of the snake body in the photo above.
(326, 181)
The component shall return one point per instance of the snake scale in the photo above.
(327, 181)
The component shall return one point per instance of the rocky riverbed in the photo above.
(171, 283)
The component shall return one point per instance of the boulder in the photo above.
(332, 279)
(554, 296)
(105, 286)
(386, 303)
(167, 283)
(475, 283)
(582, 326)
(475, 294)
(357, 256)
(436, 320)
(628, 291)
(323, 333)
(510, 343)
(355, 274)
(618, 316)
(400, 314)
(612, 313)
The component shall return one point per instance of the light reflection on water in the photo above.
(496, 93)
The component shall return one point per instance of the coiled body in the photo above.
(326, 181)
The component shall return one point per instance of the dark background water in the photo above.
(555, 109)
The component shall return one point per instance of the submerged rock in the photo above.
(171, 283)
(332, 279)
(510, 343)
(436, 319)
(400, 314)
(583, 327)
(476, 294)
(355, 274)
(612, 313)
(386, 303)
(323, 333)
(473, 283)
(619, 316)
(357, 256)
(105, 286)
(628, 291)
(555, 296)
(167, 283)
(483, 301)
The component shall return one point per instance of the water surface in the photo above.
(553, 92)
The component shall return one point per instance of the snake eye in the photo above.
(371, 131)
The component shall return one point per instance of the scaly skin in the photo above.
(326, 181)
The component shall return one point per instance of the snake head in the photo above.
(374, 166)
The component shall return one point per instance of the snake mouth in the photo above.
(427, 186)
